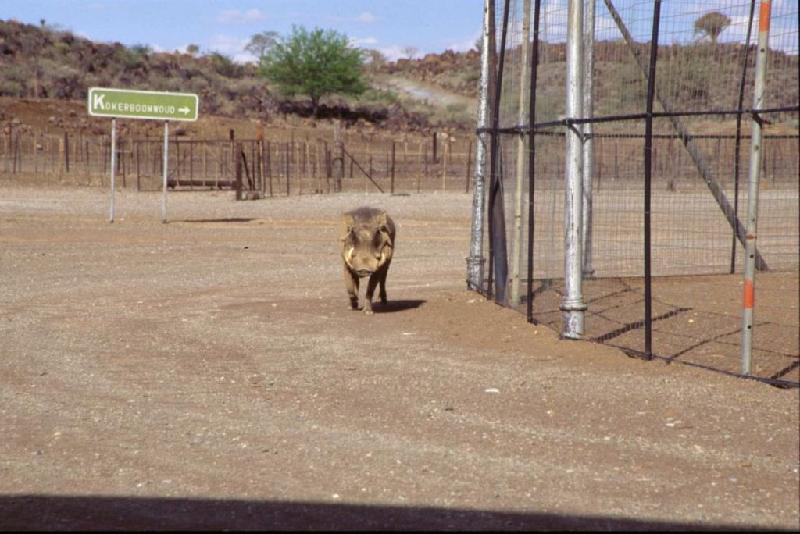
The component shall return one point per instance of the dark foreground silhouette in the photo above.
(42, 512)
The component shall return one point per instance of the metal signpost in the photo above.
(150, 105)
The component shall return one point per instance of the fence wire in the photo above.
(282, 165)
(703, 92)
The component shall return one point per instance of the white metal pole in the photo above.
(588, 112)
(475, 259)
(113, 166)
(166, 163)
(572, 305)
(756, 153)
(524, 83)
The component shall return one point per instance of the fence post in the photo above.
(444, 164)
(138, 170)
(738, 142)
(393, 156)
(532, 157)
(339, 148)
(648, 171)
(317, 168)
(231, 157)
(328, 170)
(121, 161)
(238, 167)
(306, 159)
(572, 305)
(425, 160)
(498, 257)
(269, 168)
(514, 298)
(191, 164)
(475, 258)
(288, 159)
(166, 171)
(756, 153)
(113, 165)
(588, 143)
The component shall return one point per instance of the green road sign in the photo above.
(106, 102)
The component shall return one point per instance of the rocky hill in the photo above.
(458, 72)
(43, 62)
(694, 76)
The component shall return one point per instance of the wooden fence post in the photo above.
(238, 167)
(425, 161)
(444, 164)
(288, 159)
(269, 168)
(392, 168)
(234, 159)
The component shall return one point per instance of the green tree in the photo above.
(260, 43)
(374, 59)
(315, 63)
(711, 24)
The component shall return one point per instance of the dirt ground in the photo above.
(207, 374)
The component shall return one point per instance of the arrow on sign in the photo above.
(184, 110)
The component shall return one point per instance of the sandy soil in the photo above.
(206, 374)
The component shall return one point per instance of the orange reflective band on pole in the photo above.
(749, 294)
(763, 15)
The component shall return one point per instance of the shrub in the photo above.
(314, 64)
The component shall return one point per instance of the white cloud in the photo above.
(237, 16)
(360, 42)
(366, 17)
(467, 44)
(393, 52)
(232, 47)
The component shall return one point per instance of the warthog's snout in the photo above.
(363, 273)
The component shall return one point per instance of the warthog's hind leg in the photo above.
(371, 285)
(382, 279)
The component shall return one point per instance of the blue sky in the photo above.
(387, 25)
(226, 25)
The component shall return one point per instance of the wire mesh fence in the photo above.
(281, 165)
(692, 193)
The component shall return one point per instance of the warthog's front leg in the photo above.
(382, 272)
(371, 285)
(351, 285)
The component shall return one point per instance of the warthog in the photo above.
(367, 239)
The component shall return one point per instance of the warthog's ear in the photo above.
(387, 237)
(346, 226)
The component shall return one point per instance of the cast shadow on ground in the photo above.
(62, 513)
(227, 220)
(397, 306)
(616, 318)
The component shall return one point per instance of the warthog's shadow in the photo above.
(226, 220)
(396, 306)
